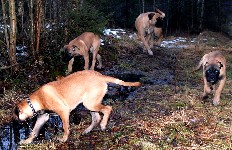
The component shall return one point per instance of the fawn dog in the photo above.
(214, 71)
(145, 24)
(62, 96)
(81, 46)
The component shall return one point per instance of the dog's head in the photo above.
(159, 22)
(154, 16)
(22, 111)
(68, 52)
(212, 72)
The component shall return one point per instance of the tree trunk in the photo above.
(12, 50)
(38, 24)
(192, 14)
(167, 24)
(30, 3)
(20, 14)
(5, 25)
(202, 14)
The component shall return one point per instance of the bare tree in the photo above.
(5, 24)
(202, 14)
(12, 50)
(38, 24)
(21, 14)
(31, 6)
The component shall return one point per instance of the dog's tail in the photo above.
(120, 82)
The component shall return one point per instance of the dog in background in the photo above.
(81, 46)
(214, 71)
(145, 25)
(62, 96)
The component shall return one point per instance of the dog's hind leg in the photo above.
(96, 118)
(106, 110)
(95, 50)
(64, 115)
(99, 66)
(86, 58)
(94, 59)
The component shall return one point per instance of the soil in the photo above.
(166, 112)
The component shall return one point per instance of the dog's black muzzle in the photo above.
(66, 56)
(212, 75)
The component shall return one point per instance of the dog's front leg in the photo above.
(86, 57)
(207, 89)
(95, 121)
(216, 99)
(146, 45)
(41, 120)
(70, 63)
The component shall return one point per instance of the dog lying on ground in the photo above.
(145, 25)
(62, 96)
(214, 71)
(81, 46)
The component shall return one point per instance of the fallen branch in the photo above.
(7, 67)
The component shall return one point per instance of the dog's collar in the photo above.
(30, 104)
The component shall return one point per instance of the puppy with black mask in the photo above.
(214, 72)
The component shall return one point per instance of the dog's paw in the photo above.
(27, 141)
(87, 130)
(150, 52)
(99, 66)
(63, 139)
(215, 102)
(103, 126)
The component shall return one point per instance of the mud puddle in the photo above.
(14, 132)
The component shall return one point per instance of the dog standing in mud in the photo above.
(81, 46)
(214, 71)
(62, 96)
(145, 24)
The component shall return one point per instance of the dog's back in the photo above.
(89, 38)
(90, 77)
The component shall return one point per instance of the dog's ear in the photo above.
(74, 47)
(65, 47)
(206, 64)
(220, 64)
(150, 16)
(16, 111)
